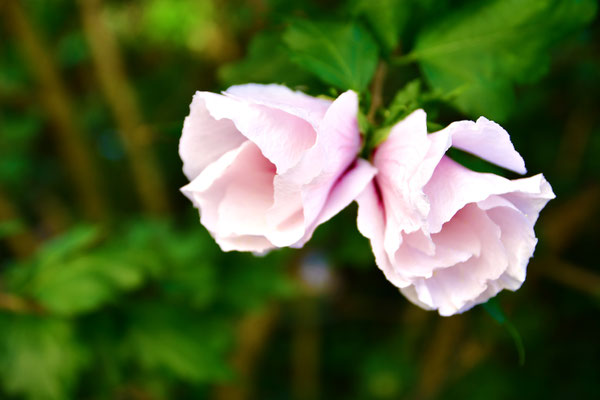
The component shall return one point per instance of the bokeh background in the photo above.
(111, 289)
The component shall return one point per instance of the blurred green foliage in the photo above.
(139, 307)
(484, 49)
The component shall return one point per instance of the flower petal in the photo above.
(371, 224)
(282, 137)
(453, 186)
(488, 140)
(309, 108)
(204, 138)
(449, 289)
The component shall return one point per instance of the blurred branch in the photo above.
(252, 333)
(565, 221)
(575, 140)
(69, 138)
(569, 275)
(12, 303)
(305, 349)
(438, 358)
(23, 243)
(135, 135)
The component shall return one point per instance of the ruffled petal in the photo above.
(344, 192)
(308, 185)
(453, 186)
(371, 224)
(449, 289)
(488, 140)
(233, 197)
(281, 137)
(204, 138)
(301, 105)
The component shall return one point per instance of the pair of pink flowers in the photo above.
(267, 165)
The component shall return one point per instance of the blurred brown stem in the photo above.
(305, 349)
(58, 106)
(377, 91)
(439, 356)
(16, 304)
(23, 243)
(135, 135)
(570, 275)
(253, 332)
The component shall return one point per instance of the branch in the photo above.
(252, 334)
(16, 304)
(57, 104)
(136, 135)
(23, 243)
(439, 356)
(570, 275)
(377, 91)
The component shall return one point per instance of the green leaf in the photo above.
(341, 54)
(404, 102)
(187, 345)
(495, 311)
(11, 227)
(77, 273)
(250, 282)
(386, 19)
(39, 357)
(267, 61)
(483, 51)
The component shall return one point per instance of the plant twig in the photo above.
(568, 274)
(564, 222)
(16, 304)
(377, 91)
(135, 135)
(438, 357)
(58, 106)
(23, 243)
(252, 333)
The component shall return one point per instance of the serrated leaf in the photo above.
(187, 345)
(386, 19)
(78, 272)
(40, 357)
(85, 283)
(267, 61)
(405, 101)
(341, 54)
(483, 51)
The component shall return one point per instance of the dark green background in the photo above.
(106, 293)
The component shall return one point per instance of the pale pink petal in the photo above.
(344, 192)
(456, 242)
(217, 191)
(532, 196)
(255, 244)
(398, 160)
(519, 240)
(249, 194)
(453, 186)
(208, 189)
(371, 224)
(282, 137)
(449, 289)
(308, 184)
(336, 148)
(204, 138)
(487, 140)
(309, 108)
